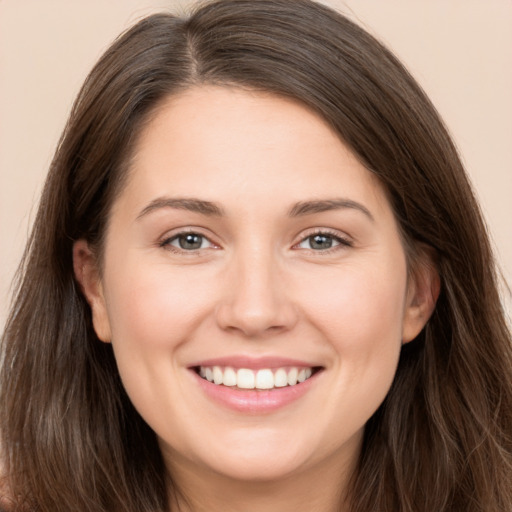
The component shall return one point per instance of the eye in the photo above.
(322, 242)
(187, 242)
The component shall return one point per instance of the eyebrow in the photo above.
(319, 206)
(210, 208)
(190, 204)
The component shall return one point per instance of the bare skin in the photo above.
(247, 231)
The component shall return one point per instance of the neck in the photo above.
(319, 489)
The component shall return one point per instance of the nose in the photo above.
(256, 301)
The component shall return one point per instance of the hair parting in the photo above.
(442, 439)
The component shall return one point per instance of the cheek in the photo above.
(153, 311)
(155, 307)
(361, 317)
(360, 314)
(363, 305)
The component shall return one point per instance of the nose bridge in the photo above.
(256, 301)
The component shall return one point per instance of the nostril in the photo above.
(256, 319)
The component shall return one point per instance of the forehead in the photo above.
(224, 141)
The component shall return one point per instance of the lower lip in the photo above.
(252, 401)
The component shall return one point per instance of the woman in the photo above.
(258, 280)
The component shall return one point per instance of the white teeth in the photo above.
(292, 376)
(245, 378)
(264, 379)
(280, 378)
(229, 377)
(217, 375)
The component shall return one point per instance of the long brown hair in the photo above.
(442, 439)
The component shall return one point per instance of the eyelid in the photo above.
(343, 239)
(169, 236)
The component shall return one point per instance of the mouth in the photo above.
(252, 379)
(256, 385)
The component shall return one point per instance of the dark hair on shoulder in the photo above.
(442, 439)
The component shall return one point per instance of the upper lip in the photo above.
(254, 363)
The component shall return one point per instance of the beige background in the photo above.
(459, 50)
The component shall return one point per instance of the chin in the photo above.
(259, 469)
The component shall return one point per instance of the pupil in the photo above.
(320, 242)
(190, 241)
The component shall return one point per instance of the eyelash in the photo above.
(166, 243)
(342, 242)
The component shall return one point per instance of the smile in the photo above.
(255, 385)
(264, 378)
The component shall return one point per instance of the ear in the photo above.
(423, 290)
(87, 274)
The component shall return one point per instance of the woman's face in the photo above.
(251, 248)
